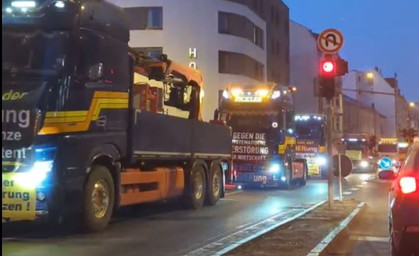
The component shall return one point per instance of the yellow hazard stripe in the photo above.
(78, 121)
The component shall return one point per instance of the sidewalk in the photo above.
(299, 237)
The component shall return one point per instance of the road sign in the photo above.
(330, 41)
(385, 163)
(345, 165)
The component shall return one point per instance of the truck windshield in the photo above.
(255, 122)
(355, 145)
(35, 53)
(387, 148)
(308, 130)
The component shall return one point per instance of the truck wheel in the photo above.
(215, 185)
(99, 199)
(196, 191)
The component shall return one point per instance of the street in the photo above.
(368, 233)
(168, 230)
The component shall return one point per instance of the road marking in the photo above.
(234, 192)
(360, 185)
(354, 189)
(249, 233)
(370, 238)
(227, 199)
(329, 238)
(347, 193)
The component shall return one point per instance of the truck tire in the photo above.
(99, 199)
(215, 185)
(195, 196)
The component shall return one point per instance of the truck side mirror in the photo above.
(96, 71)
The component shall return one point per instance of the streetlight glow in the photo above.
(370, 75)
(412, 104)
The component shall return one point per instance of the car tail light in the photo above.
(408, 185)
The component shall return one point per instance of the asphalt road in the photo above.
(368, 232)
(165, 229)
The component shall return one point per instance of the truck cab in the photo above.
(310, 130)
(81, 135)
(262, 121)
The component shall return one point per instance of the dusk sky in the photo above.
(383, 33)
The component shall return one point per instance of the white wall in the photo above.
(304, 58)
(384, 104)
(194, 23)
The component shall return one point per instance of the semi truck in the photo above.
(357, 149)
(262, 120)
(310, 130)
(81, 137)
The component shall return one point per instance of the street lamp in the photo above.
(412, 104)
(370, 75)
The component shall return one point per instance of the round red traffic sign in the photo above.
(330, 41)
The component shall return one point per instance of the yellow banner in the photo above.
(18, 202)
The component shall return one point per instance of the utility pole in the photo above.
(330, 151)
(332, 66)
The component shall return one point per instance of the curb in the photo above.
(335, 232)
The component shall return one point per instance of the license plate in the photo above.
(260, 178)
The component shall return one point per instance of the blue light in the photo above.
(274, 168)
(45, 154)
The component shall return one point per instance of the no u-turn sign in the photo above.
(330, 41)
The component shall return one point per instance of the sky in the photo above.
(378, 33)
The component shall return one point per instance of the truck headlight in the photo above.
(274, 168)
(321, 160)
(364, 164)
(44, 160)
(36, 175)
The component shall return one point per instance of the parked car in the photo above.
(404, 206)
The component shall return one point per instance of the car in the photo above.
(404, 206)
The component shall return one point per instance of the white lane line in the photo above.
(370, 238)
(231, 245)
(329, 238)
(347, 193)
(247, 239)
(354, 189)
(234, 192)
(360, 185)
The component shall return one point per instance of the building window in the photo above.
(141, 18)
(223, 23)
(155, 18)
(153, 52)
(258, 36)
(240, 26)
(240, 64)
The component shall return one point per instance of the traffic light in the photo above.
(341, 67)
(327, 78)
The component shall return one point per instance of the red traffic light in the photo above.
(328, 67)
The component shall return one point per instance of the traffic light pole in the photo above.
(330, 151)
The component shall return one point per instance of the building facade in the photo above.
(373, 90)
(304, 70)
(359, 118)
(226, 40)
